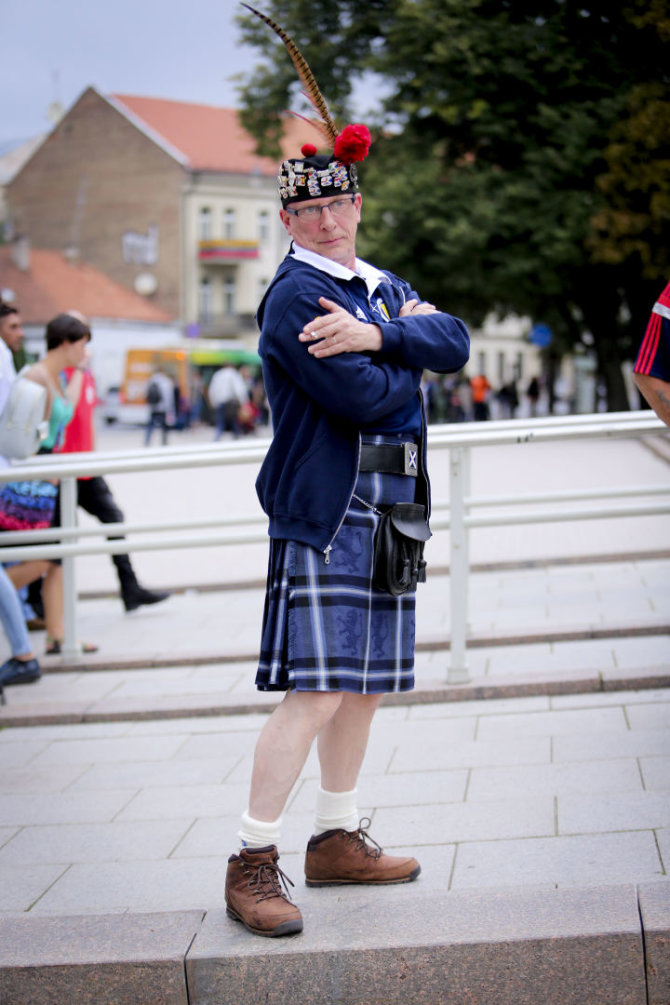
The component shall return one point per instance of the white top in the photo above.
(166, 388)
(227, 384)
(7, 372)
(371, 276)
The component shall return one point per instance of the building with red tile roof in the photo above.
(164, 197)
(43, 283)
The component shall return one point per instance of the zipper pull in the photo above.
(327, 552)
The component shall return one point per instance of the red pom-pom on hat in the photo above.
(308, 149)
(352, 144)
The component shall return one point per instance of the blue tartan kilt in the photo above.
(325, 627)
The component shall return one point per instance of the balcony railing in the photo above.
(212, 251)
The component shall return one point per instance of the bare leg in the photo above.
(283, 746)
(343, 741)
(27, 572)
(52, 595)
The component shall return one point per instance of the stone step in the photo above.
(359, 947)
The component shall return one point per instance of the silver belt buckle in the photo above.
(411, 459)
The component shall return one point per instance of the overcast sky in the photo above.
(53, 49)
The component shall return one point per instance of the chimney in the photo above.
(71, 254)
(20, 252)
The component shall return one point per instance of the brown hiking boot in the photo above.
(341, 856)
(255, 896)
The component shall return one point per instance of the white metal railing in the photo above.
(460, 515)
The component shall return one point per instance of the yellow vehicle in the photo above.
(190, 364)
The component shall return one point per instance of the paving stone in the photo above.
(177, 801)
(43, 779)
(96, 960)
(581, 860)
(655, 772)
(595, 720)
(194, 726)
(396, 790)
(505, 947)
(69, 843)
(22, 885)
(603, 746)
(654, 715)
(492, 706)
(124, 748)
(450, 822)
(654, 899)
(172, 885)
(663, 839)
(57, 731)
(150, 774)
(447, 756)
(608, 698)
(580, 814)
(17, 755)
(555, 779)
(63, 807)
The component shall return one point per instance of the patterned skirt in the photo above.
(27, 505)
(325, 627)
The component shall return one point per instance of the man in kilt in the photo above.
(343, 347)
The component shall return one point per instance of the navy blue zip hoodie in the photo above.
(320, 406)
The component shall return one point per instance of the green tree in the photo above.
(522, 156)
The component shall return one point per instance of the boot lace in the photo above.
(266, 881)
(361, 837)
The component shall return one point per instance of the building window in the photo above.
(228, 224)
(481, 362)
(262, 287)
(263, 225)
(205, 299)
(518, 366)
(501, 367)
(205, 223)
(229, 295)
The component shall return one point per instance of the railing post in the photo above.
(458, 672)
(68, 518)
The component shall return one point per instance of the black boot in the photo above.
(134, 598)
(132, 594)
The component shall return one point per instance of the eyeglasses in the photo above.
(338, 207)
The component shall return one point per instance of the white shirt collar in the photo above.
(371, 276)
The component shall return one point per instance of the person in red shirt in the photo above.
(95, 496)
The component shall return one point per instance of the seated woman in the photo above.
(67, 338)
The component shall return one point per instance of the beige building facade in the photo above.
(167, 198)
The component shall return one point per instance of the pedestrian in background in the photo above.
(161, 402)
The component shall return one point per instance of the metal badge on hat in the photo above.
(316, 175)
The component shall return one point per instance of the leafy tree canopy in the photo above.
(522, 154)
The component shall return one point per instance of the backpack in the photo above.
(22, 422)
(154, 395)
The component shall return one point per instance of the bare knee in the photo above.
(316, 707)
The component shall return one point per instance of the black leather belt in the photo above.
(390, 458)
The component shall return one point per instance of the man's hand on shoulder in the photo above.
(339, 331)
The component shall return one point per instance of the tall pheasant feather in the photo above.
(304, 73)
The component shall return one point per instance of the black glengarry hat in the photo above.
(316, 175)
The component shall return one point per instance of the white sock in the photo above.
(335, 810)
(258, 833)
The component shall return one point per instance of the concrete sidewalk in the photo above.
(537, 799)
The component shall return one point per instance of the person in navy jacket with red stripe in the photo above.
(651, 372)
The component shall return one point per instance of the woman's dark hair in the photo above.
(6, 309)
(65, 328)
